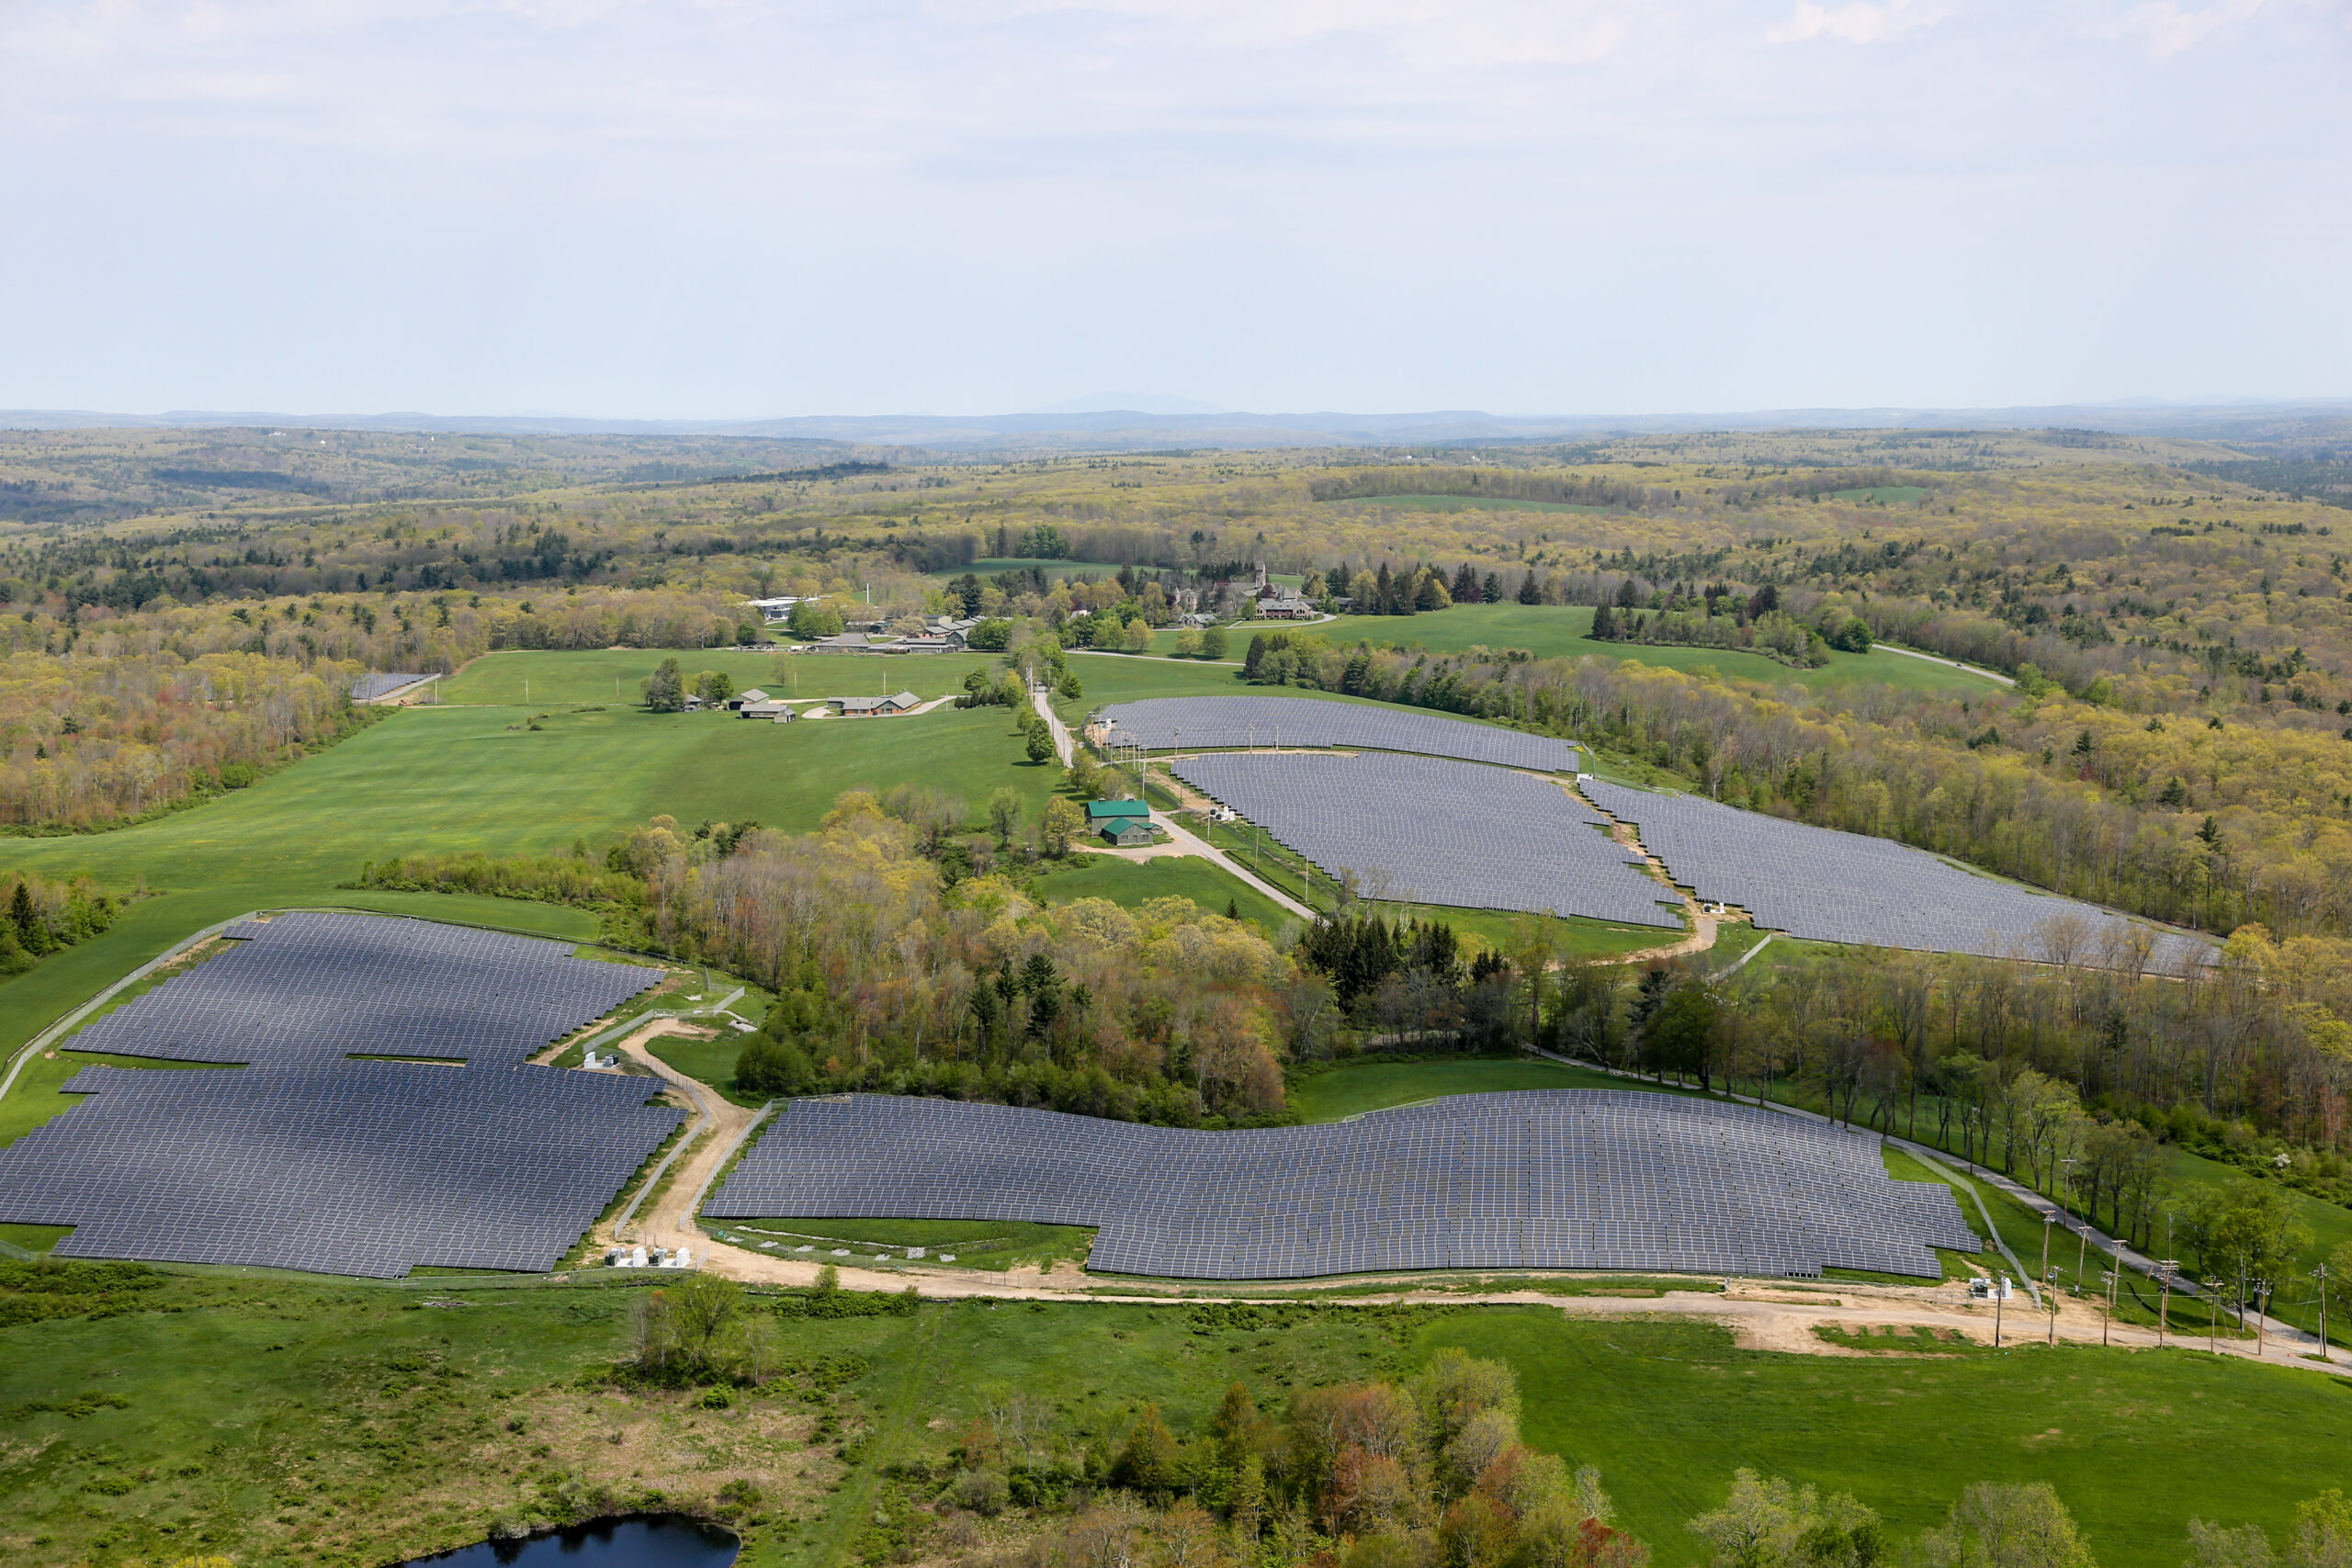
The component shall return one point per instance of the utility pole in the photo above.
(2048, 1219)
(1998, 1291)
(2107, 1319)
(2322, 1277)
(2082, 1251)
(2261, 1313)
(2164, 1302)
(2213, 1318)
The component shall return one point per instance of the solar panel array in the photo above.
(315, 987)
(1828, 886)
(1573, 1179)
(1217, 723)
(368, 688)
(1425, 830)
(360, 1168)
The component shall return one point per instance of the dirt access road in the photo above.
(1765, 1315)
(1760, 1314)
(719, 1127)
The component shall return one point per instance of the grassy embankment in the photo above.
(281, 1422)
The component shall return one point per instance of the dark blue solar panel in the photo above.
(1583, 1178)
(1217, 723)
(1827, 885)
(358, 1168)
(1428, 830)
(316, 988)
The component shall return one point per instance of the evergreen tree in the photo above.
(1466, 584)
(1605, 624)
(26, 918)
(665, 689)
(1530, 591)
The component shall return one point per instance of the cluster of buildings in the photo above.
(1275, 603)
(754, 703)
(940, 634)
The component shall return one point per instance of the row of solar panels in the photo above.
(1550, 1180)
(1419, 830)
(309, 1160)
(1161, 723)
(1828, 886)
(313, 987)
(362, 1168)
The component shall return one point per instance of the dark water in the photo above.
(661, 1541)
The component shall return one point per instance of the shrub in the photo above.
(984, 1492)
(769, 1065)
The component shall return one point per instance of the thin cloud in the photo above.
(2171, 28)
(1860, 22)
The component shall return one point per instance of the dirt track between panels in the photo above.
(669, 1221)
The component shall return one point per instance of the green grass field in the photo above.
(611, 676)
(279, 1422)
(1130, 883)
(708, 1061)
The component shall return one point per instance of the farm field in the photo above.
(219, 1377)
(611, 675)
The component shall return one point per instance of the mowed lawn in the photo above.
(1128, 883)
(452, 779)
(614, 675)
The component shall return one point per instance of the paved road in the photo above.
(1196, 845)
(1064, 747)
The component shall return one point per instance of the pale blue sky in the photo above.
(737, 209)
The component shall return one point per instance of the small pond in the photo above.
(658, 1541)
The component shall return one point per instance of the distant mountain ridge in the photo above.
(1129, 429)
